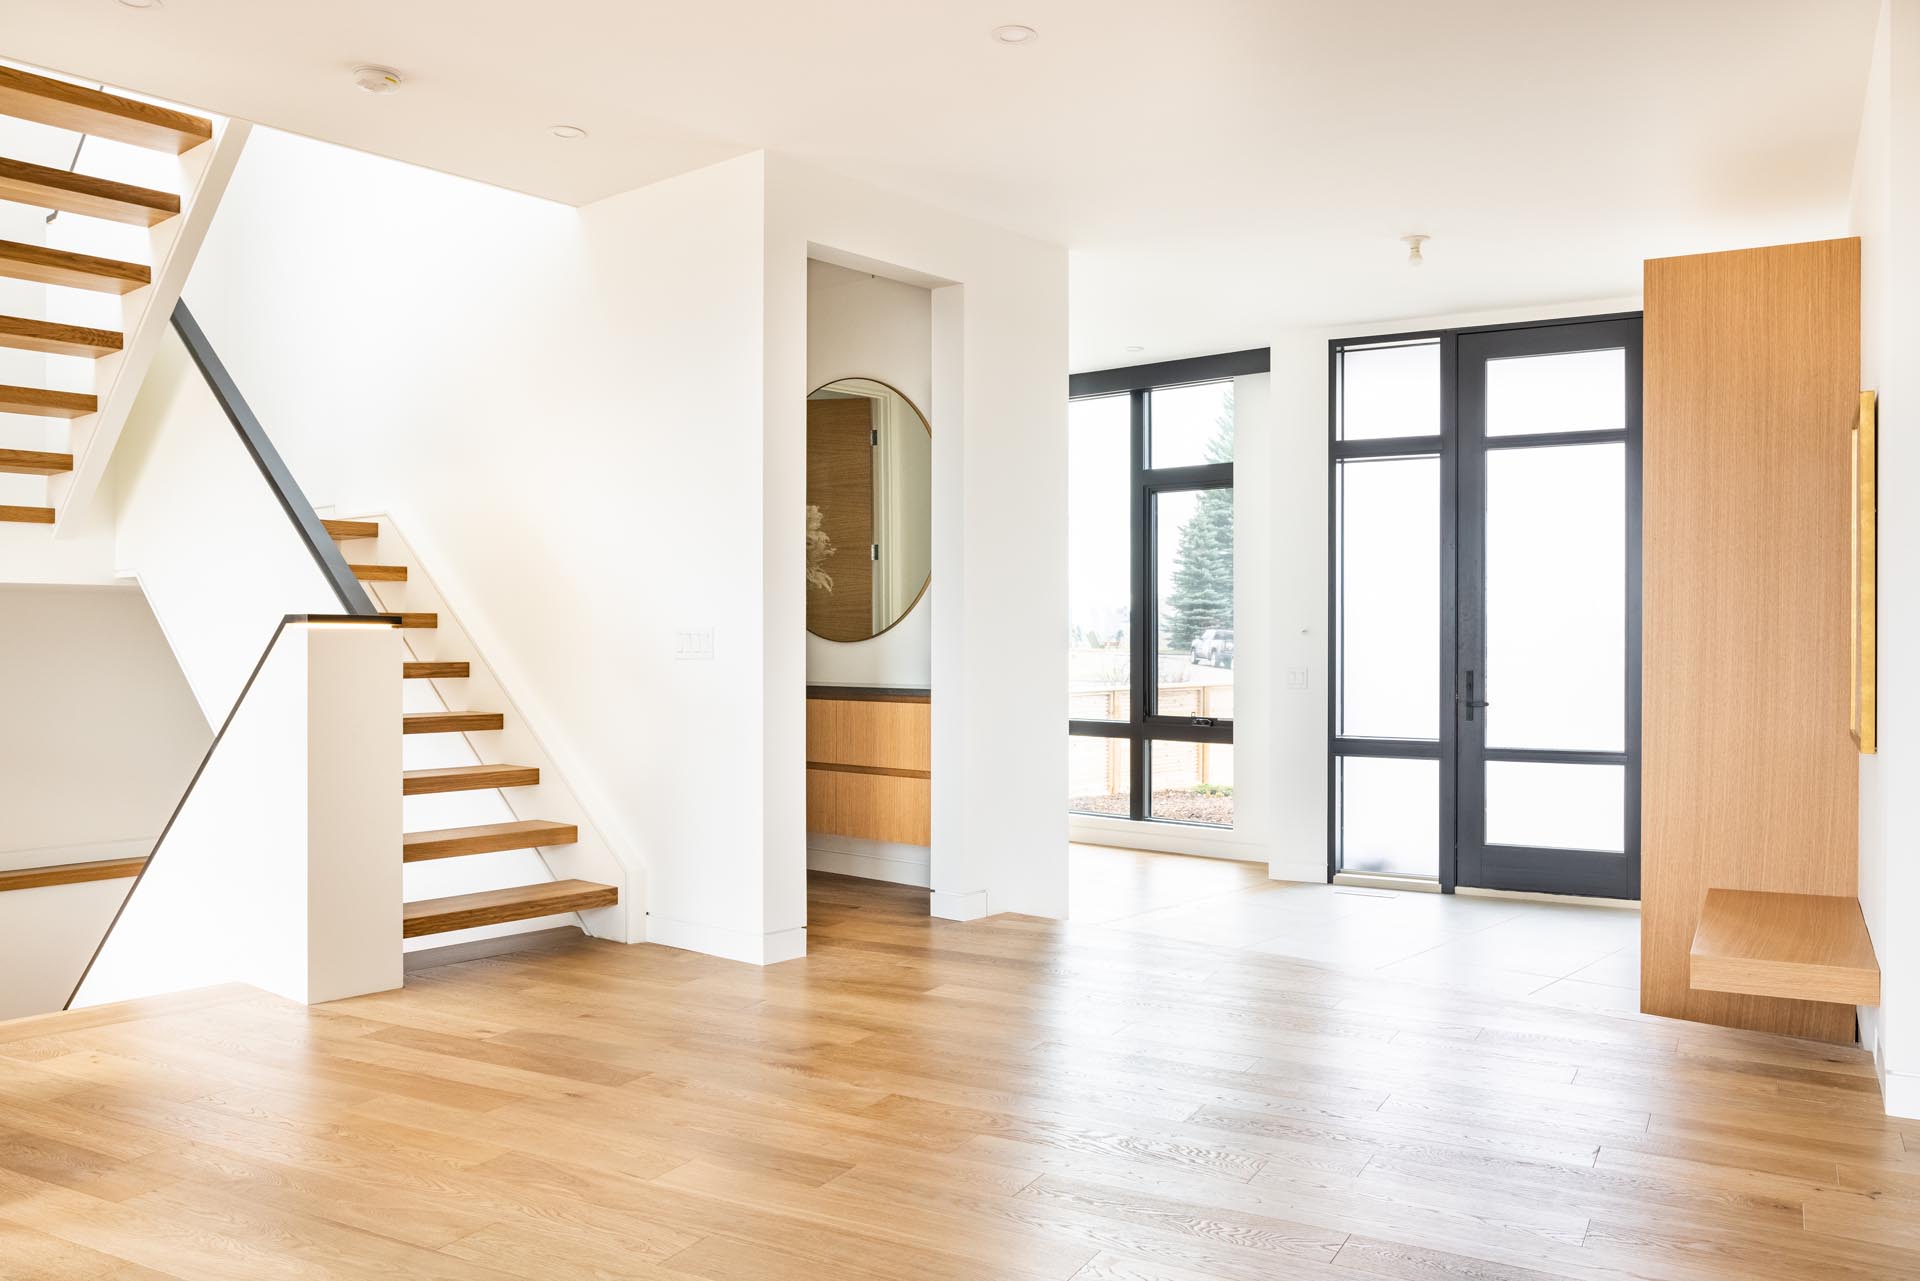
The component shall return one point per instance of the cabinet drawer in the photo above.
(877, 807)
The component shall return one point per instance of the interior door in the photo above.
(840, 443)
(1546, 679)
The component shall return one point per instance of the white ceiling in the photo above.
(1220, 168)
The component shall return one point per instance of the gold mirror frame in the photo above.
(925, 583)
(1862, 713)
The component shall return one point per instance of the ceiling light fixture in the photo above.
(140, 4)
(1136, 349)
(567, 131)
(377, 79)
(1014, 33)
(1413, 243)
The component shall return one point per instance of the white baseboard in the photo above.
(728, 944)
(952, 905)
(1900, 1091)
(872, 860)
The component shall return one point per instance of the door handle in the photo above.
(1466, 702)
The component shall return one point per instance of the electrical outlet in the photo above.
(693, 646)
(1296, 678)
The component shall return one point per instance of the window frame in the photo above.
(1144, 725)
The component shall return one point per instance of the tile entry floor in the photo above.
(1569, 955)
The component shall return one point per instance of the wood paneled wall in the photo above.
(869, 768)
(1749, 778)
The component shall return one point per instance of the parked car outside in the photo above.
(1214, 647)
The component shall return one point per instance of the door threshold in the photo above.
(1532, 896)
(1381, 881)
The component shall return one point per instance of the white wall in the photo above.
(861, 325)
(101, 737)
(1886, 205)
(101, 729)
(999, 534)
(562, 409)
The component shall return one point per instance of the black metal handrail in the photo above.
(353, 597)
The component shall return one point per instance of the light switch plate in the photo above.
(1296, 678)
(693, 646)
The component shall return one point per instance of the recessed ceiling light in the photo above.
(1014, 33)
(567, 131)
(141, 4)
(377, 79)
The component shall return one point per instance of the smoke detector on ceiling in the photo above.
(377, 79)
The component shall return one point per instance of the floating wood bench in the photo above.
(1808, 947)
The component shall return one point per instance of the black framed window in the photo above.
(1151, 647)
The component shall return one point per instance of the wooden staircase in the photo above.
(88, 112)
(485, 907)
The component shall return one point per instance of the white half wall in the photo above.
(279, 868)
(1886, 217)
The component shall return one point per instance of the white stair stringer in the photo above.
(590, 858)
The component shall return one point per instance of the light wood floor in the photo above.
(929, 1101)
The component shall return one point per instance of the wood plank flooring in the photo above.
(924, 1100)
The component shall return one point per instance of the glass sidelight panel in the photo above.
(1558, 392)
(1389, 597)
(1388, 390)
(1556, 806)
(1556, 637)
(1389, 816)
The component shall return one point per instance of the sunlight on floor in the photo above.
(1569, 955)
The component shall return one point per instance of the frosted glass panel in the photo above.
(1556, 597)
(1390, 816)
(1390, 598)
(1390, 391)
(1562, 807)
(1566, 391)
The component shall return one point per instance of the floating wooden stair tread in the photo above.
(492, 907)
(27, 515)
(433, 671)
(53, 339)
(451, 722)
(42, 403)
(107, 869)
(466, 778)
(379, 573)
(450, 842)
(417, 620)
(344, 530)
(34, 462)
(44, 266)
(1808, 947)
(78, 193)
(46, 101)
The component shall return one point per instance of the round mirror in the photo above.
(869, 508)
